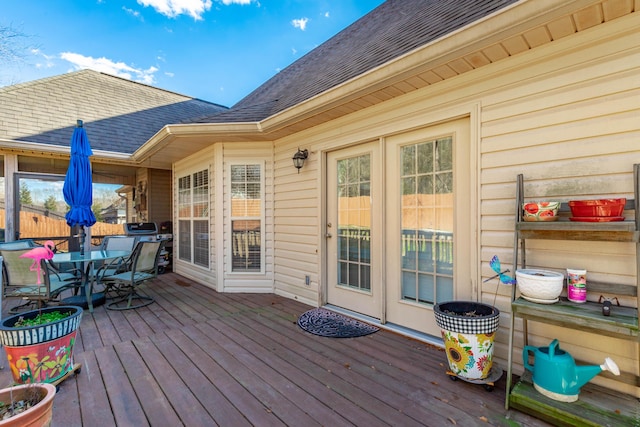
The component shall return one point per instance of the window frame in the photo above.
(192, 219)
(230, 219)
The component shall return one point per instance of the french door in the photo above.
(400, 226)
(353, 229)
(429, 223)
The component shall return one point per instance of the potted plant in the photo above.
(468, 329)
(27, 405)
(39, 343)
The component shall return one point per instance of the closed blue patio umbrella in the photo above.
(77, 190)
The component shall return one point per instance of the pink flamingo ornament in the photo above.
(38, 254)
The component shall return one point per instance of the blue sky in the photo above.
(215, 50)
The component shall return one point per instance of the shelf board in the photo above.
(622, 323)
(563, 229)
(596, 406)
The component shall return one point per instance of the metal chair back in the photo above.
(118, 243)
(143, 267)
(21, 282)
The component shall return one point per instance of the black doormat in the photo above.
(326, 323)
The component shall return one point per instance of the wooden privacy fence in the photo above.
(35, 226)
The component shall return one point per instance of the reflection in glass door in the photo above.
(429, 195)
(353, 227)
(427, 221)
(354, 222)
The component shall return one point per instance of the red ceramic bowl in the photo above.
(597, 208)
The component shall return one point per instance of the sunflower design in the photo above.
(460, 356)
(485, 342)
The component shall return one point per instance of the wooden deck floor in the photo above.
(199, 358)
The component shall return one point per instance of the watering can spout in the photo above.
(584, 374)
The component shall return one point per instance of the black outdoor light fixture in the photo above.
(299, 158)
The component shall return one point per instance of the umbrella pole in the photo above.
(82, 237)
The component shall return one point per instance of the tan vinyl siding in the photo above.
(565, 115)
(297, 215)
(572, 131)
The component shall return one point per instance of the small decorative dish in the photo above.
(540, 211)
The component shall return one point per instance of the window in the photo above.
(246, 217)
(41, 208)
(427, 221)
(193, 218)
(354, 222)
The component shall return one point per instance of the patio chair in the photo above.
(22, 283)
(16, 244)
(62, 272)
(117, 243)
(106, 270)
(143, 266)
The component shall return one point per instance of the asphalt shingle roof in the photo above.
(394, 28)
(119, 115)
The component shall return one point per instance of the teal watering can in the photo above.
(555, 373)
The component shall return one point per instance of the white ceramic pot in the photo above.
(540, 285)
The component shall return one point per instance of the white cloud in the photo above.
(229, 2)
(105, 65)
(133, 13)
(174, 8)
(326, 15)
(300, 23)
(48, 59)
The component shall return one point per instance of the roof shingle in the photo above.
(120, 115)
(394, 28)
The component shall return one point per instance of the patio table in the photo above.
(86, 298)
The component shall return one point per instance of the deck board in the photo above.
(93, 398)
(126, 408)
(215, 402)
(363, 377)
(201, 354)
(197, 357)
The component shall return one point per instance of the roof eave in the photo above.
(505, 23)
(25, 147)
(491, 29)
(193, 137)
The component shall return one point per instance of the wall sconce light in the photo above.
(299, 158)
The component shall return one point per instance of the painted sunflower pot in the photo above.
(468, 329)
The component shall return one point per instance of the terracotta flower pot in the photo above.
(42, 353)
(38, 415)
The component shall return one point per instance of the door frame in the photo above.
(417, 316)
(424, 119)
(377, 253)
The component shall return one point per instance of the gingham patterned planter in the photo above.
(40, 353)
(468, 339)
